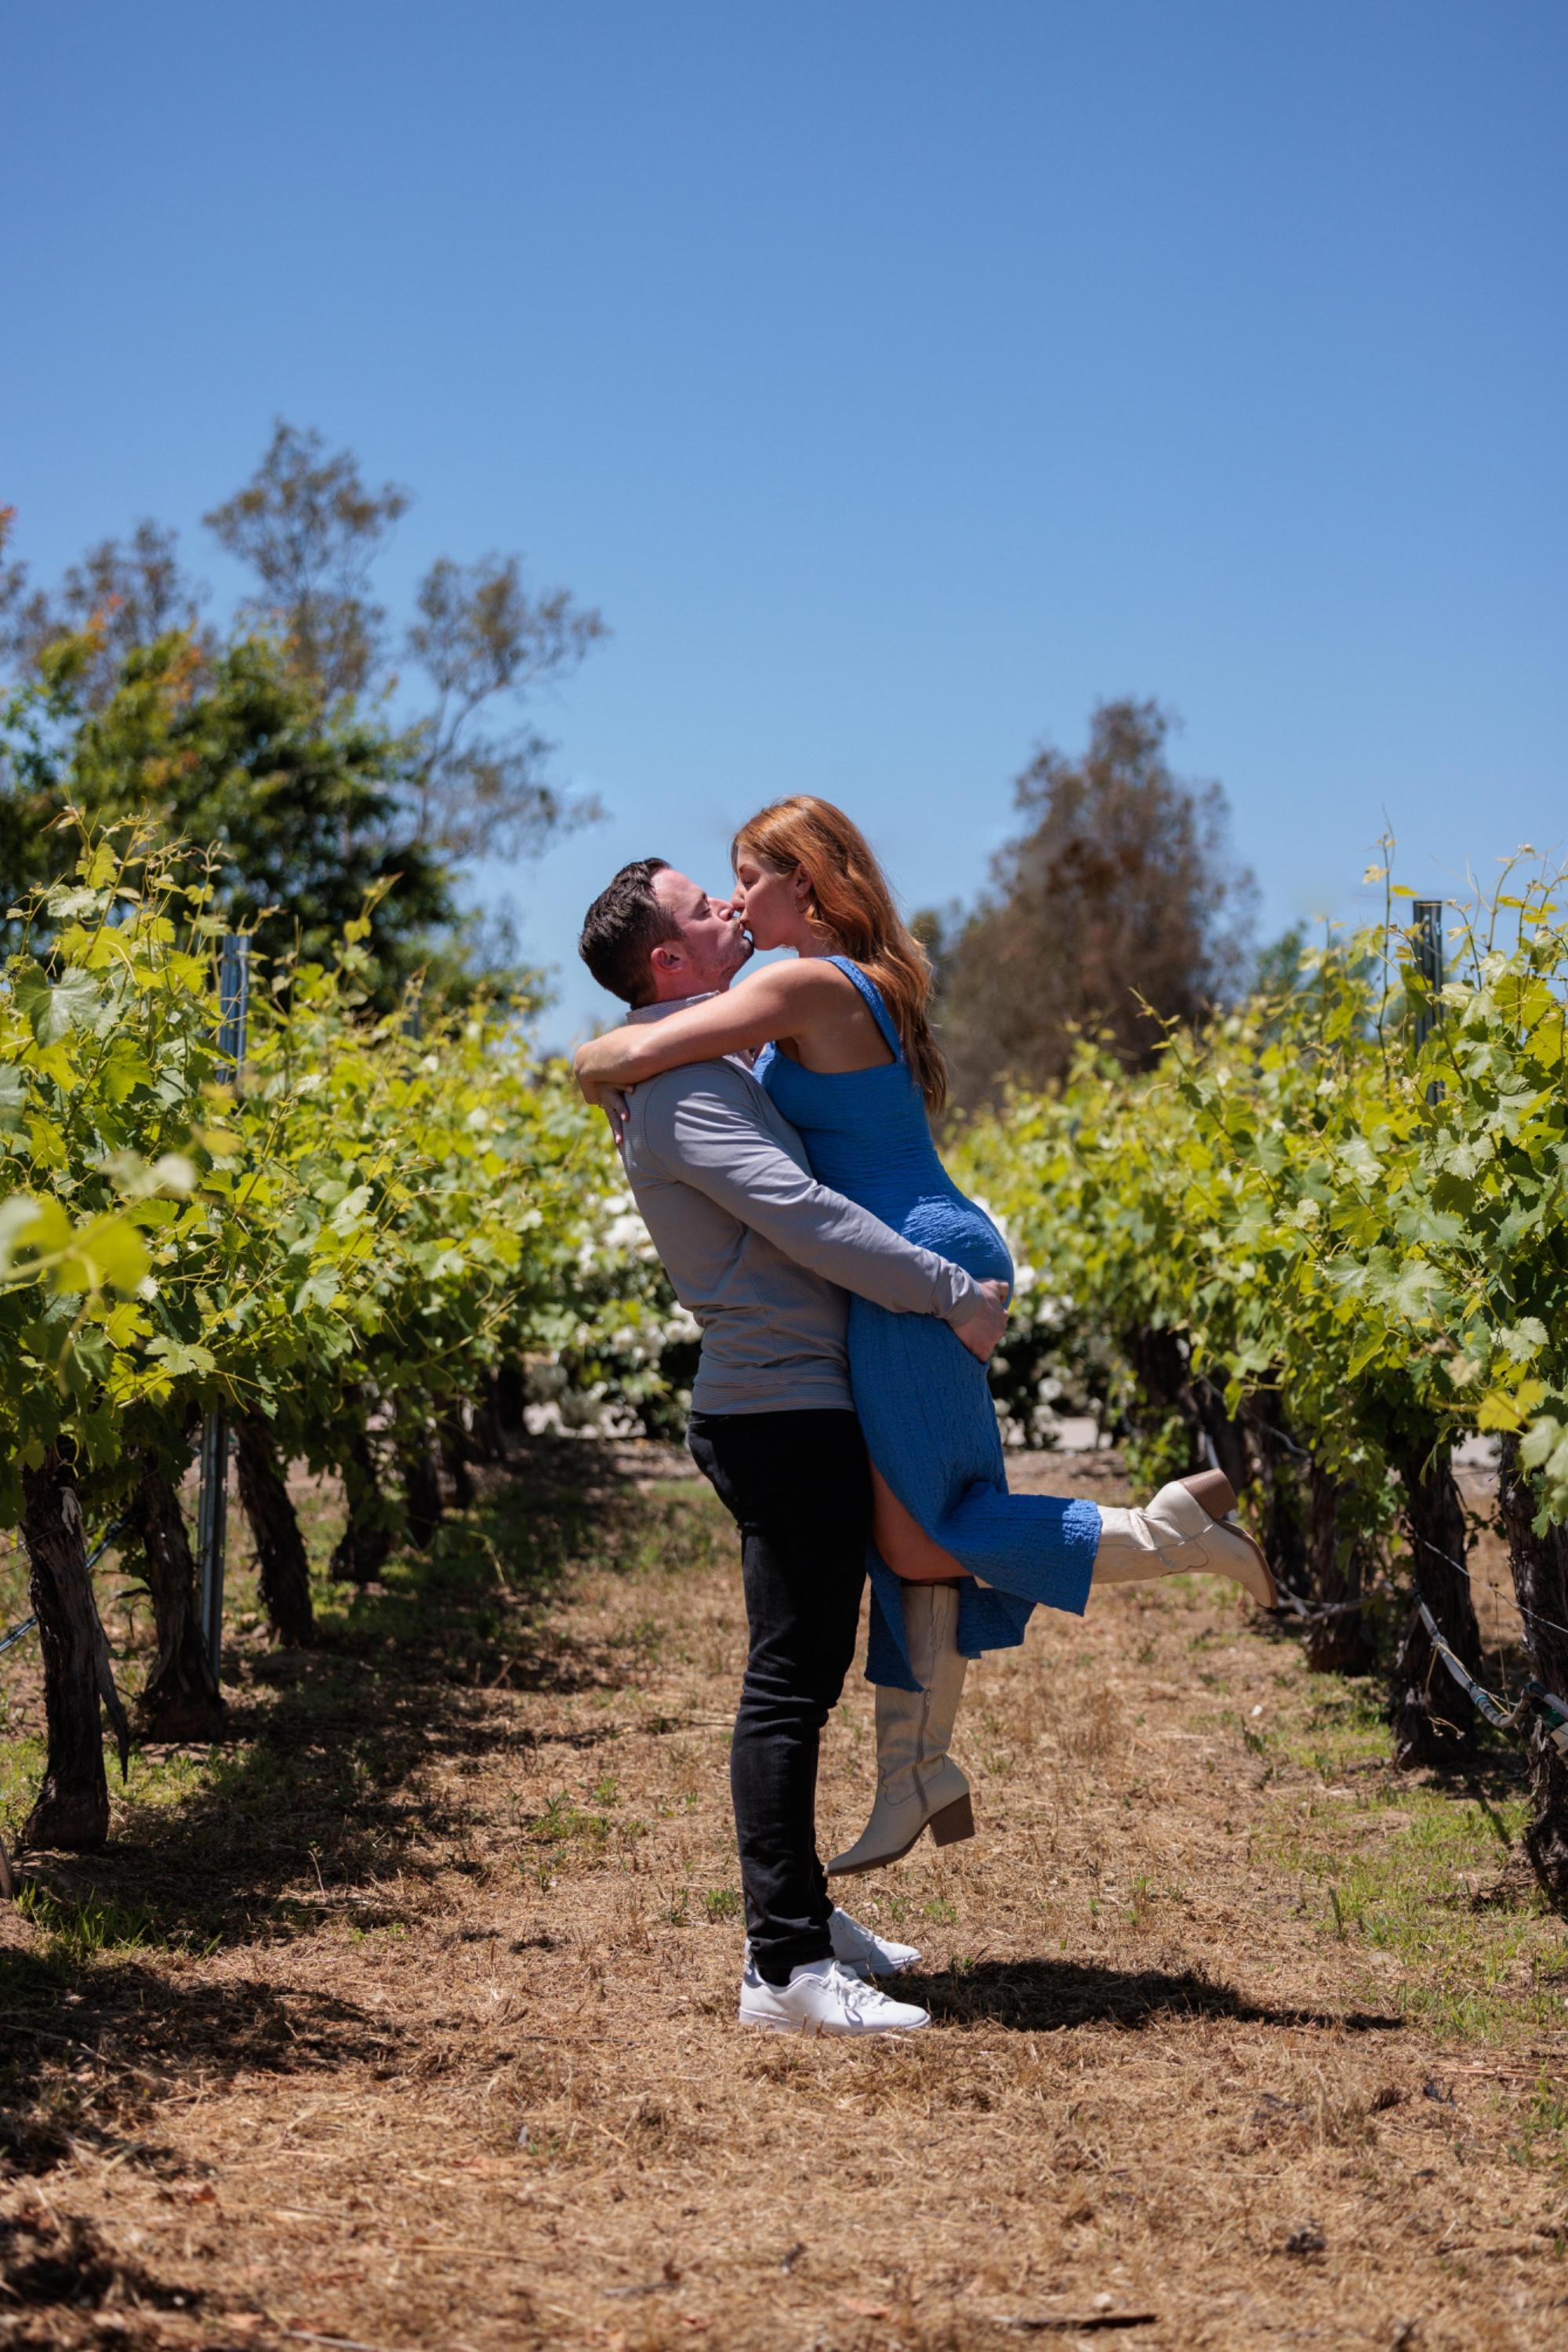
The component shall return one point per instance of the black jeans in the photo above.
(798, 1487)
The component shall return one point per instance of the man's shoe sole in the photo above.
(954, 1822)
(821, 2033)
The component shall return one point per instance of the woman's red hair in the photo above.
(851, 904)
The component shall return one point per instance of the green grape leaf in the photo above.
(53, 1010)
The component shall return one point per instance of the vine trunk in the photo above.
(1434, 1721)
(181, 1699)
(72, 1808)
(1540, 1582)
(279, 1546)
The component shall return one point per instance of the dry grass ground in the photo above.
(407, 2018)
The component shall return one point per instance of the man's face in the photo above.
(709, 947)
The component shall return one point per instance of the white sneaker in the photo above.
(869, 1955)
(825, 1997)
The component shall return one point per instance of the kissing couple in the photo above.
(776, 1138)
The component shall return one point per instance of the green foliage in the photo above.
(228, 748)
(322, 753)
(371, 1220)
(1363, 1226)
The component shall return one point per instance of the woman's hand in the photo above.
(984, 1332)
(602, 1092)
(599, 1091)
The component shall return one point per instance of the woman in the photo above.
(845, 1050)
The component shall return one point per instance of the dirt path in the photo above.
(408, 2019)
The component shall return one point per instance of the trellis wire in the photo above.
(1313, 1612)
(20, 1632)
(1487, 1585)
(1535, 1695)
(1347, 1608)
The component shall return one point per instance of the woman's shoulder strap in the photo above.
(873, 996)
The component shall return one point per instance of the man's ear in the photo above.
(668, 956)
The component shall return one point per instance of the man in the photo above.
(762, 1256)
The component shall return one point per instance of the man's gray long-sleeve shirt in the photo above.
(758, 1250)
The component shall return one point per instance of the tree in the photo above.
(466, 782)
(307, 810)
(309, 528)
(1120, 888)
(480, 634)
(122, 596)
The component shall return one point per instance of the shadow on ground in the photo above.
(1045, 1996)
(324, 1782)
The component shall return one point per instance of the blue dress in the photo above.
(923, 1400)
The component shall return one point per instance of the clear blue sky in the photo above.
(899, 379)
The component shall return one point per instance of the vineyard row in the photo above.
(1319, 1243)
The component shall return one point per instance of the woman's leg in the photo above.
(903, 1543)
(1051, 1550)
(919, 1786)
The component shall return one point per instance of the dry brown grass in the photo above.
(410, 2021)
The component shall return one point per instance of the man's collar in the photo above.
(671, 1005)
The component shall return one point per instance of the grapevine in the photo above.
(1323, 1243)
(340, 1246)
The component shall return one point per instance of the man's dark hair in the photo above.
(622, 928)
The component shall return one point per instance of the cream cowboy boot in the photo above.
(1187, 1525)
(919, 1786)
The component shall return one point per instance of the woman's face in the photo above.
(770, 905)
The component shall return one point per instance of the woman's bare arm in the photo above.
(780, 1002)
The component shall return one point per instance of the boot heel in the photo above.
(954, 1822)
(1213, 1491)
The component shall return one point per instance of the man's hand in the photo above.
(982, 1333)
